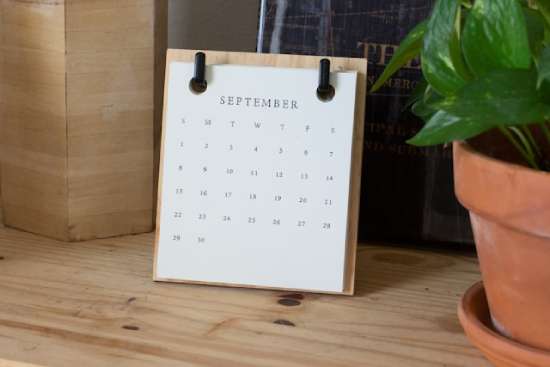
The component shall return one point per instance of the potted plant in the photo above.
(486, 65)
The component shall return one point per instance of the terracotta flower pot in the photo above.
(510, 212)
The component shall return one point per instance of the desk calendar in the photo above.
(259, 178)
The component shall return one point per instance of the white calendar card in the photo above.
(254, 188)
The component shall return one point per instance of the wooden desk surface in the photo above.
(94, 304)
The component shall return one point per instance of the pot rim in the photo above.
(506, 193)
(496, 161)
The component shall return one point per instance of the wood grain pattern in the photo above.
(294, 61)
(79, 117)
(110, 116)
(95, 305)
(33, 126)
(161, 45)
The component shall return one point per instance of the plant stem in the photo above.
(522, 149)
(526, 145)
(532, 140)
(467, 4)
(514, 142)
(545, 130)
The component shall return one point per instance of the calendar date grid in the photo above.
(276, 146)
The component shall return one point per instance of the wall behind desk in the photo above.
(213, 24)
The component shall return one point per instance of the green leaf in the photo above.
(502, 97)
(544, 90)
(544, 8)
(417, 93)
(444, 128)
(423, 110)
(534, 22)
(426, 107)
(544, 67)
(410, 48)
(440, 45)
(455, 48)
(495, 36)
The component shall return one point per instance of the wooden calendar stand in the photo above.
(291, 61)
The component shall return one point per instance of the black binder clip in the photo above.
(325, 91)
(198, 83)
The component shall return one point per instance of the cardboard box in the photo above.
(80, 83)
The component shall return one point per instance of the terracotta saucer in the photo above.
(473, 312)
